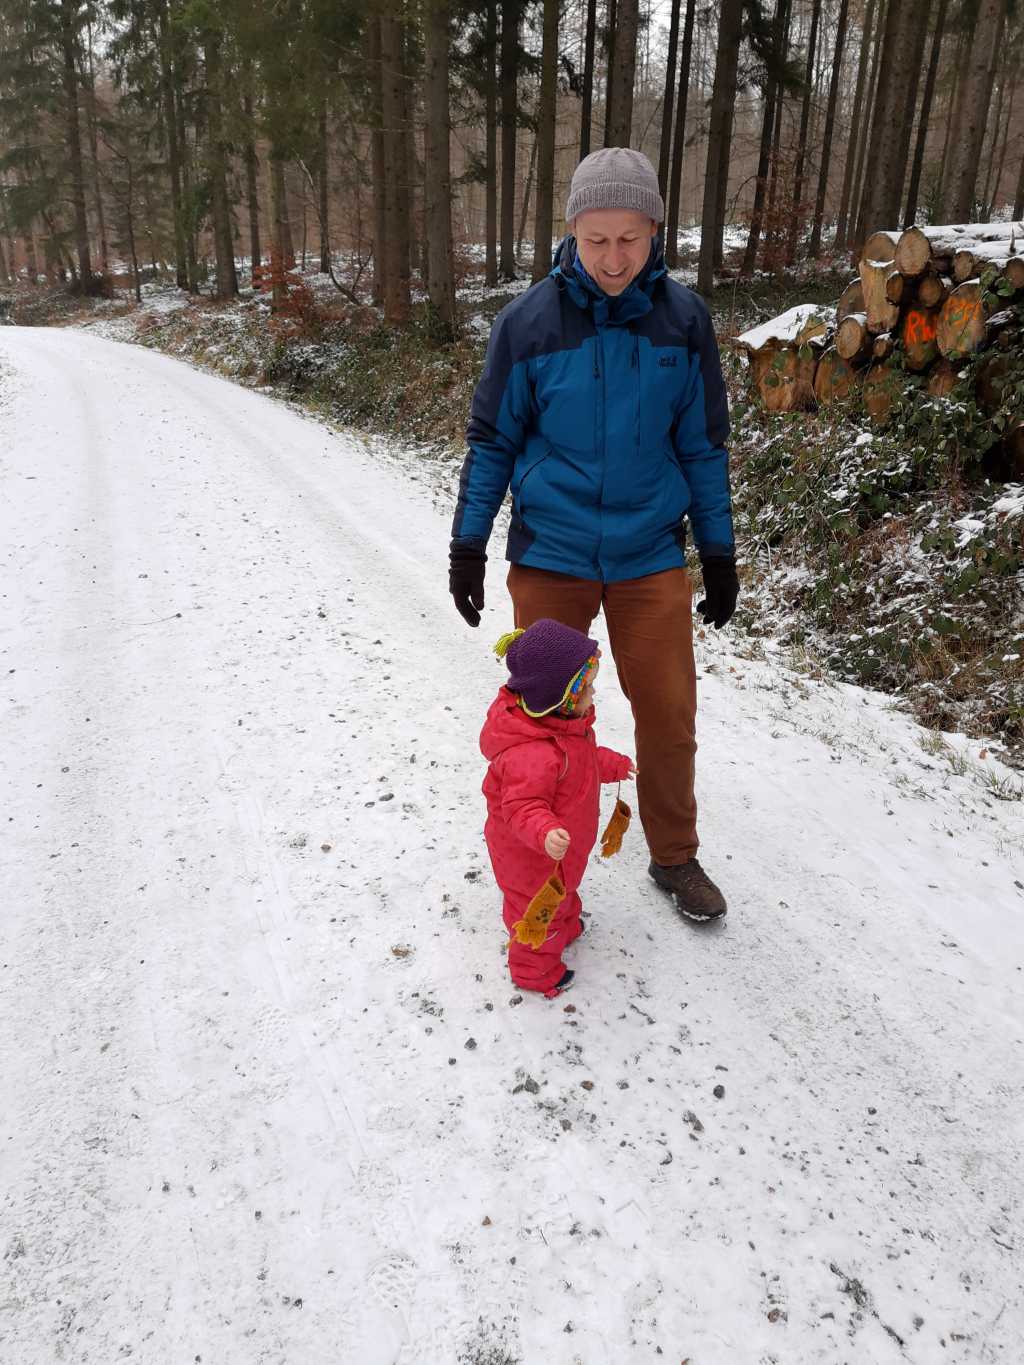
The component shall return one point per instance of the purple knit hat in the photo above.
(543, 661)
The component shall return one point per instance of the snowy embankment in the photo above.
(268, 1095)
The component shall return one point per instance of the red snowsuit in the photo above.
(544, 774)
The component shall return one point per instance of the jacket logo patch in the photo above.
(668, 362)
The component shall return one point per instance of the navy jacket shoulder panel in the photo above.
(677, 318)
(542, 321)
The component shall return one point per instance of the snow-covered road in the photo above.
(267, 1093)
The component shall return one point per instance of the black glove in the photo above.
(466, 580)
(721, 588)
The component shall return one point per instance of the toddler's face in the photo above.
(586, 697)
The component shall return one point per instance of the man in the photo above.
(602, 406)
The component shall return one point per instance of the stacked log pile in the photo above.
(924, 299)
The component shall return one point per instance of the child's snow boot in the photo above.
(563, 984)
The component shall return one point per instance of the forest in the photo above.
(331, 201)
(403, 147)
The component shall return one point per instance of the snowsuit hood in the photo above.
(508, 725)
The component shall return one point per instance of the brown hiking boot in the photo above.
(696, 896)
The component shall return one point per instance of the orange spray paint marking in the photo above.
(918, 328)
(965, 311)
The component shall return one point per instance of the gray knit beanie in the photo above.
(615, 178)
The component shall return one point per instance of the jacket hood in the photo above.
(507, 725)
(618, 309)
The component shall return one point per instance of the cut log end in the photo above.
(896, 287)
(853, 340)
(932, 290)
(881, 246)
(961, 328)
(783, 378)
(850, 301)
(913, 252)
(882, 314)
(919, 334)
(834, 379)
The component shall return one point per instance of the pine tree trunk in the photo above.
(723, 99)
(323, 208)
(914, 188)
(830, 118)
(524, 211)
(1018, 198)
(251, 181)
(544, 221)
(1006, 138)
(133, 254)
(101, 222)
(491, 135)
(610, 9)
(216, 164)
(866, 125)
(587, 111)
(188, 212)
(917, 40)
(724, 160)
(7, 247)
(412, 203)
(279, 252)
(668, 99)
(377, 175)
(397, 302)
(774, 161)
(986, 203)
(796, 216)
(510, 10)
(68, 43)
(675, 188)
(622, 73)
(772, 94)
(954, 96)
(437, 177)
(975, 94)
(880, 205)
(167, 77)
(32, 254)
(855, 124)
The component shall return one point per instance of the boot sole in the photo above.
(691, 915)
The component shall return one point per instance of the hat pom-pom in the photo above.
(501, 648)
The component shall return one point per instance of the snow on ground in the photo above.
(269, 1096)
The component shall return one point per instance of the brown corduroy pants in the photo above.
(650, 629)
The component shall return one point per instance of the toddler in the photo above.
(543, 794)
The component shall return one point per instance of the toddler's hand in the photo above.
(556, 843)
(632, 771)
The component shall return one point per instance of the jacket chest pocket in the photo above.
(665, 380)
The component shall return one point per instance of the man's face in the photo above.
(613, 245)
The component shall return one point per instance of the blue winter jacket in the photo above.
(607, 417)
